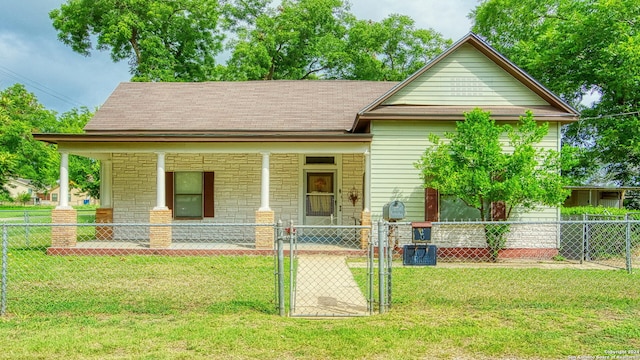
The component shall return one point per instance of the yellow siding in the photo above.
(397, 146)
(465, 77)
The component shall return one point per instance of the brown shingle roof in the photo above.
(323, 105)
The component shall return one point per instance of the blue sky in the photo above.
(31, 54)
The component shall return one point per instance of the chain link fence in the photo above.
(300, 270)
(589, 243)
(211, 266)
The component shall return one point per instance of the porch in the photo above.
(218, 183)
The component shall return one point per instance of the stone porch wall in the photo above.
(237, 184)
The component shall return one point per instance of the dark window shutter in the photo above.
(431, 204)
(208, 194)
(498, 210)
(168, 189)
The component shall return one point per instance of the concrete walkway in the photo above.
(325, 287)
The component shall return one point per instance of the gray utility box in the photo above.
(393, 211)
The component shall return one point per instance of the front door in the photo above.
(320, 198)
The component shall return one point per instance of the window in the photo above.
(190, 194)
(454, 209)
(54, 197)
(320, 194)
(439, 207)
(313, 160)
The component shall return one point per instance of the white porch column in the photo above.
(106, 183)
(160, 183)
(367, 181)
(64, 236)
(64, 181)
(264, 192)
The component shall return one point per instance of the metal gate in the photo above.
(330, 271)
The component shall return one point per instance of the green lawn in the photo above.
(224, 307)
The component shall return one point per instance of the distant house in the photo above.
(19, 186)
(604, 196)
(259, 151)
(75, 197)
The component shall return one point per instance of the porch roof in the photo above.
(178, 137)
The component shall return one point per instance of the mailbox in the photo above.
(393, 211)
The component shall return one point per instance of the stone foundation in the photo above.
(160, 236)
(64, 236)
(264, 234)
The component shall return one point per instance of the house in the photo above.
(605, 196)
(259, 151)
(75, 197)
(17, 186)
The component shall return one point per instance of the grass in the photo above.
(224, 307)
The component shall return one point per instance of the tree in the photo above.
(475, 166)
(577, 48)
(162, 40)
(307, 39)
(297, 40)
(23, 198)
(389, 50)
(20, 154)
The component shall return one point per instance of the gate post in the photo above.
(382, 245)
(628, 244)
(292, 289)
(279, 234)
(370, 274)
(5, 245)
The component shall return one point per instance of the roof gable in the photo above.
(467, 75)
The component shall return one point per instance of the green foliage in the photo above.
(592, 210)
(496, 236)
(296, 40)
(389, 50)
(23, 198)
(21, 155)
(308, 39)
(162, 40)
(475, 167)
(594, 48)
